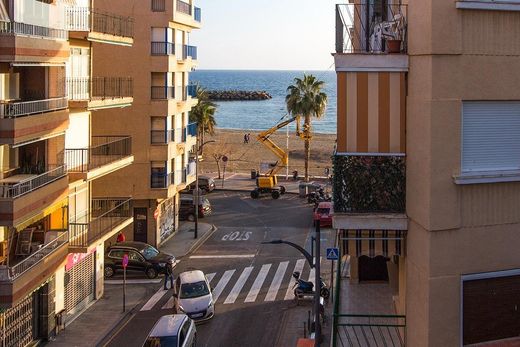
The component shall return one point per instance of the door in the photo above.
(136, 261)
(373, 269)
(141, 224)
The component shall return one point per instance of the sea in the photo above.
(263, 114)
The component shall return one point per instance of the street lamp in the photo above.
(196, 200)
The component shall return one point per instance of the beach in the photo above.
(244, 157)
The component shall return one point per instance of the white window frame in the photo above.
(497, 5)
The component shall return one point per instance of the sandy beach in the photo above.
(244, 157)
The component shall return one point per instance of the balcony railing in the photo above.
(32, 30)
(180, 93)
(197, 14)
(85, 19)
(104, 151)
(106, 214)
(371, 28)
(25, 108)
(162, 92)
(191, 129)
(183, 7)
(189, 52)
(161, 180)
(27, 185)
(162, 136)
(85, 88)
(11, 273)
(163, 48)
(158, 5)
(369, 184)
(191, 90)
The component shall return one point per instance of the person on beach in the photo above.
(245, 138)
(248, 137)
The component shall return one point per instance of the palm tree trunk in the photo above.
(202, 140)
(307, 145)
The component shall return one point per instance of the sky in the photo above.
(265, 34)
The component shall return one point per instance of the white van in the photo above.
(175, 330)
(193, 296)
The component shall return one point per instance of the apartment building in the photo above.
(160, 62)
(52, 226)
(426, 171)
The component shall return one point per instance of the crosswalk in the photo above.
(265, 282)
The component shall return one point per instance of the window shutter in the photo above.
(490, 136)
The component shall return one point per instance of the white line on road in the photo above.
(277, 281)
(255, 289)
(210, 276)
(169, 304)
(222, 256)
(233, 295)
(222, 284)
(298, 267)
(154, 299)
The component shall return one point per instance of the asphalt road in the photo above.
(251, 280)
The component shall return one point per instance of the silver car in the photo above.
(174, 330)
(193, 296)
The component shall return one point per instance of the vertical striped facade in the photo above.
(371, 112)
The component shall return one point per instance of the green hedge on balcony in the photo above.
(369, 184)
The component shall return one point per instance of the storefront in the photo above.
(167, 217)
(79, 283)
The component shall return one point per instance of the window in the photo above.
(134, 256)
(499, 5)
(491, 137)
(116, 254)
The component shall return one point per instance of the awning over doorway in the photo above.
(372, 242)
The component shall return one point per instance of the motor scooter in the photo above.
(306, 288)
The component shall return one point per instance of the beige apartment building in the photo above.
(159, 61)
(427, 169)
(52, 226)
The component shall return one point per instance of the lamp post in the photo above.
(196, 198)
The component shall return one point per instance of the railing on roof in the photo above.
(371, 28)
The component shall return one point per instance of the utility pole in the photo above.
(287, 167)
(317, 288)
(196, 198)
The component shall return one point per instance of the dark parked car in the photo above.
(141, 257)
(187, 208)
(206, 185)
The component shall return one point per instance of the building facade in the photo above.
(160, 62)
(426, 169)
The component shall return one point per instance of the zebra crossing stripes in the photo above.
(153, 300)
(298, 267)
(277, 281)
(233, 295)
(222, 284)
(210, 276)
(257, 285)
(169, 304)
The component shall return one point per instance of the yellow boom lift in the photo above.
(268, 183)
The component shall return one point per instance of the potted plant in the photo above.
(394, 35)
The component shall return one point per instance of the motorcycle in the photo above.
(318, 196)
(302, 288)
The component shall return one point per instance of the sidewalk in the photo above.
(104, 316)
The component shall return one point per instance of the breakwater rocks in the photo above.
(231, 95)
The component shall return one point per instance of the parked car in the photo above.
(206, 185)
(193, 296)
(323, 213)
(141, 257)
(187, 208)
(175, 330)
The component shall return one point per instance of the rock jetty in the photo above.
(229, 95)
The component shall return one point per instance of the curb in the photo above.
(199, 242)
(245, 190)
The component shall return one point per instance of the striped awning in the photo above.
(372, 242)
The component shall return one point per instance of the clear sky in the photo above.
(265, 34)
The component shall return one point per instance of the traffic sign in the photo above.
(125, 260)
(224, 159)
(332, 253)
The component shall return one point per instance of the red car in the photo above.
(323, 213)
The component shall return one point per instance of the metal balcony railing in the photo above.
(161, 180)
(99, 88)
(25, 108)
(183, 7)
(191, 129)
(189, 52)
(162, 136)
(371, 28)
(162, 92)
(369, 184)
(13, 272)
(158, 5)
(32, 30)
(184, 134)
(191, 90)
(53, 173)
(197, 15)
(105, 215)
(85, 19)
(163, 48)
(180, 93)
(104, 151)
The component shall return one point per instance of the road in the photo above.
(252, 281)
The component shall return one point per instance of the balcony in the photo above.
(191, 129)
(25, 194)
(94, 25)
(106, 155)
(189, 52)
(187, 14)
(191, 90)
(371, 35)
(99, 92)
(369, 192)
(107, 217)
(161, 180)
(163, 48)
(162, 92)
(197, 14)
(158, 5)
(162, 137)
(28, 120)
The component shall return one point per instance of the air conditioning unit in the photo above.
(9, 86)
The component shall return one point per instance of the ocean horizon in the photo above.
(262, 114)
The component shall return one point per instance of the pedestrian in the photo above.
(248, 137)
(168, 274)
(120, 237)
(245, 138)
(327, 172)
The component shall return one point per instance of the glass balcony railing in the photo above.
(189, 52)
(191, 90)
(163, 48)
(25, 108)
(191, 129)
(369, 184)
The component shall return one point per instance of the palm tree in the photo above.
(204, 115)
(305, 98)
